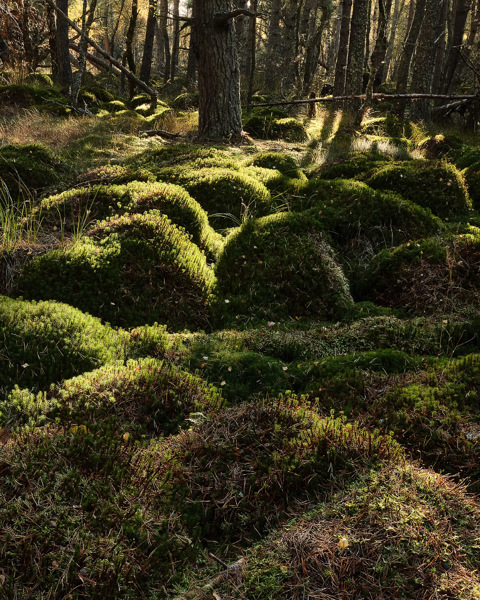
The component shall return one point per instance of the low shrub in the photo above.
(46, 342)
(280, 266)
(131, 270)
(434, 185)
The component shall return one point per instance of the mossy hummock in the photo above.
(132, 270)
(280, 266)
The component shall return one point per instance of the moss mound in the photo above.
(79, 208)
(434, 276)
(46, 342)
(283, 163)
(440, 146)
(434, 185)
(278, 267)
(239, 472)
(31, 165)
(401, 529)
(115, 174)
(358, 165)
(472, 179)
(186, 101)
(24, 95)
(226, 195)
(132, 270)
(146, 397)
(267, 126)
(390, 126)
(193, 155)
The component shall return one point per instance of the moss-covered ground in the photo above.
(237, 372)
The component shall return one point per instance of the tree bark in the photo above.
(356, 49)
(175, 39)
(342, 57)
(462, 9)
(273, 47)
(63, 56)
(314, 46)
(146, 65)
(422, 68)
(408, 50)
(52, 41)
(440, 45)
(218, 72)
(132, 24)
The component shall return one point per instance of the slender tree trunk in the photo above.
(408, 50)
(393, 26)
(440, 44)
(147, 58)
(252, 40)
(83, 44)
(356, 49)
(462, 9)
(176, 39)
(52, 41)
(218, 73)
(422, 68)
(342, 57)
(129, 56)
(380, 49)
(63, 53)
(474, 27)
(274, 47)
(242, 34)
(192, 63)
(313, 50)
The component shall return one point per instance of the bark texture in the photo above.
(342, 57)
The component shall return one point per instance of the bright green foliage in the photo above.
(114, 106)
(80, 207)
(358, 165)
(434, 276)
(266, 126)
(405, 529)
(146, 397)
(132, 270)
(435, 185)
(226, 195)
(100, 92)
(33, 166)
(280, 266)
(46, 342)
(193, 155)
(147, 340)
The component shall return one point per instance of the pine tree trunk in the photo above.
(274, 47)
(63, 53)
(342, 57)
(462, 9)
(129, 57)
(146, 66)
(356, 49)
(313, 50)
(393, 26)
(52, 41)
(218, 72)
(422, 67)
(176, 39)
(440, 44)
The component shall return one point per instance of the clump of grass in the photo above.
(129, 271)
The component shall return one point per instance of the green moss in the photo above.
(39, 79)
(130, 271)
(472, 179)
(81, 207)
(405, 529)
(227, 196)
(434, 276)
(145, 397)
(277, 267)
(30, 165)
(441, 146)
(389, 126)
(24, 96)
(115, 106)
(100, 93)
(435, 185)
(266, 126)
(186, 101)
(358, 165)
(46, 342)
(115, 174)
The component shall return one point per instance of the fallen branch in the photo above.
(96, 61)
(161, 133)
(376, 96)
(128, 74)
(230, 571)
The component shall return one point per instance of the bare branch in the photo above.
(221, 18)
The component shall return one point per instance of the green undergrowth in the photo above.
(277, 267)
(129, 271)
(402, 529)
(73, 211)
(433, 184)
(265, 125)
(436, 275)
(141, 398)
(46, 342)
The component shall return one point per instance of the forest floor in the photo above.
(237, 372)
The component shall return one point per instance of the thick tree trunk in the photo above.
(274, 47)
(356, 49)
(342, 57)
(474, 26)
(218, 72)
(147, 58)
(422, 68)
(63, 55)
